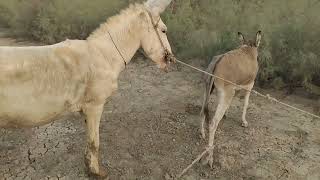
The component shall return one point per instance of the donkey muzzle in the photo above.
(169, 57)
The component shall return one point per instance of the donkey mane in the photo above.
(125, 16)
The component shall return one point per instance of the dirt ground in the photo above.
(150, 128)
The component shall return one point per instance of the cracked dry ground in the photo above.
(150, 128)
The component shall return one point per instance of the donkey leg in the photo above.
(245, 106)
(225, 97)
(204, 114)
(93, 116)
(202, 129)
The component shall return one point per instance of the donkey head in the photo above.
(250, 43)
(154, 38)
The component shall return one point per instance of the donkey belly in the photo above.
(28, 111)
(23, 108)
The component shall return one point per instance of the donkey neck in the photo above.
(251, 52)
(119, 51)
(121, 44)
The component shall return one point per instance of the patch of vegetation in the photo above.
(289, 52)
(51, 21)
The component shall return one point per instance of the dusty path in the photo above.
(150, 128)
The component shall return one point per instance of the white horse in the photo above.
(39, 83)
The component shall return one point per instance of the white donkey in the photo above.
(39, 83)
(240, 66)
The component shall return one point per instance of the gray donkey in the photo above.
(239, 66)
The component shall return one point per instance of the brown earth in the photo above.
(150, 128)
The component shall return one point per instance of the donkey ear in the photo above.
(258, 38)
(157, 7)
(241, 38)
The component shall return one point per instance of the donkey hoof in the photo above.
(102, 174)
(244, 124)
(203, 135)
(208, 160)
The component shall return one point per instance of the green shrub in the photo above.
(5, 15)
(288, 56)
(20, 15)
(51, 21)
(289, 52)
(57, 20)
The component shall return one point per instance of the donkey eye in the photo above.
(164, 31)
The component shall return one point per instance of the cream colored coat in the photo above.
(37, 84)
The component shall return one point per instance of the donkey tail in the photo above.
(209, 87)
(209, 84)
